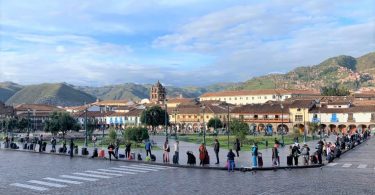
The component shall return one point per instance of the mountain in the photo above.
(347, 71)
(8, 89)
(133, 91)
(52, 94)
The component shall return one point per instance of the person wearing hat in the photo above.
(305, 154)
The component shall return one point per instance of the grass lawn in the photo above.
(246, 146)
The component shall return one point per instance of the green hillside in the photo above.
(53, 94)
(7, 90)
(352, 73)
(133, 91)
(128, 91)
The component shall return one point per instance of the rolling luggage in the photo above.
(95, 153)
(61, 150)
(191, 158)
(289, 160)
(139, 156)
(121, 155)
(101, 153)
(132, 155)
(24, 146)
(153, 157)
(260, 161)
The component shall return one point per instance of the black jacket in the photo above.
(217, 147)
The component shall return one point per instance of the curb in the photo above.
(243, 169)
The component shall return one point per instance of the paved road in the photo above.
(26, 173)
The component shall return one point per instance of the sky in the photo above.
(179, 42)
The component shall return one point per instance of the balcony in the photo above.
(267, 120)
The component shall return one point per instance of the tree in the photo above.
(112, 135)
(23, 124)
(11, 124)
(137, 134)
(61, 121)
(154, 116)
(215, 123)
(239, 128)
(91, 125)
(335, 90)
(313, 127)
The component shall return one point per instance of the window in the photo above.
(252, 97)
(241, 117)
(298, 118)
(265, 116)
(189, 116)
(225, 99)
(195, 116)
(183, 116)
(255, 116)
(265, 97)
(247, 98)
(276, 116)
(219, 99)
(372, 116)
(235, 98)
(259, 97)
(299, 109)
(274, 97)
(230, 98)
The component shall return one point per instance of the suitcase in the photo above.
(139, 156)
(24, 146)
(132, 155)
(175, 159)
(31, 146)
(61, 150)
(260, 161)
(153, 157)
(121, 155)
(95, 152)
(101, 153)
(289, 160)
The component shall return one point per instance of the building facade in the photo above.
(255, 96)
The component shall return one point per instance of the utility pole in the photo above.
(28, 122)
(86, 127)
(228, 125)
(165, 118)
(204, 127)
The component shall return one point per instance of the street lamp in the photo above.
(228, 124)
(165, 117)
(175, 122)
(204, 126)
(86, 127)
(28, 122)
(282, 124)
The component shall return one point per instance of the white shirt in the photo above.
(176, 147)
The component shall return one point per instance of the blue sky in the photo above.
(182, 43)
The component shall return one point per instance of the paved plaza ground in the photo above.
(33, 173)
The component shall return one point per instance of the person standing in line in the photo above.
(117, 147)
(71, 148)
(254, 153)
(275, 156)
(148, 148)
(320, 151)
(217, 149)
(305, 154)
(176, 150)
(296, 152)
(167, 149)
(230, 163)
(53, 142)
(202, 154)
(110, 152)
(127, 150)
(94, 139)
(237, 147)
(40, 143)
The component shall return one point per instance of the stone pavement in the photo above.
(243, 161)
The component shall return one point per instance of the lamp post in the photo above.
(165, 118)
(304, 126)
(175, 122)
(228, 124)
(204, 126)
(28, 122)
(282, 124)
(86, 127)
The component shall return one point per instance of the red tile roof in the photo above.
(259, 92)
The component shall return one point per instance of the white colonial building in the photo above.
(256, 96)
